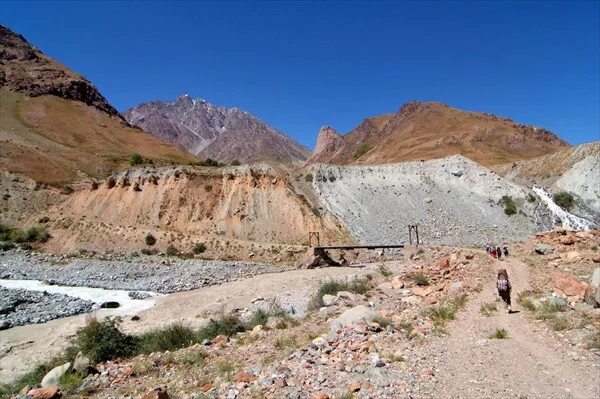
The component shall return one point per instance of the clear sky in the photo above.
(300, 65)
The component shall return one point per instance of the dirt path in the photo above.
(529, 364)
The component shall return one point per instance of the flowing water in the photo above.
(128, 306)
(567, 219)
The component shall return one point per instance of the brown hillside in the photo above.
(53, 140)
(426, 130)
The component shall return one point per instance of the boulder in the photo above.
(243, 376)
(353, 316)
(458, 172)
(443, 263)
(596, 258)
(329, 300)
(572, 257)
(51, 392)
(592, 294)
(347, 295)
(567, 284)
(156, 393)
(543, 249)
(567, 240)
(397, 282)
(82, 364)
(54, 375)
(422, 291)
(110, 305)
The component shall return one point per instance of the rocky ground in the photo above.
(21, 307)
(436, 329)
(144, 273)
(453, 200)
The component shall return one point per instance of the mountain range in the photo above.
(210, 131)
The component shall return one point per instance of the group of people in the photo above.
(497, 252)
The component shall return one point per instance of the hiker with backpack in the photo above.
(505, 251)
(498, 253)
(504, 287)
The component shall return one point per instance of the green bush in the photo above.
(531, 198)
(172, 250)
(421, 279)
(5, 246)
(102, 340)
(136, 159)
(308, 177)
(385, 272)
(171, 338)
(150, 240)
(362, 150)
(149, 251)
(447, 310)
(499, 333)
(565, 200)
(510, 208)
(32, 234)
(70, 381)
(332, 287)
(225, 325)
(199, 247)
(235, 162)
(211, 162)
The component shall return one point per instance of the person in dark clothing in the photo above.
(505, 251)
(498, 252)
(504, 287)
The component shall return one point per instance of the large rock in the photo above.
(569, 285)
(543, 249)
(156, 393)
(353, 316)
(54, 375)
(83, 365)
(592, 294)
(572, 257)
(51, 392)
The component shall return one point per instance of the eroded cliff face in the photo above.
(235, 211)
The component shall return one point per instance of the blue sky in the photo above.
(300, 65)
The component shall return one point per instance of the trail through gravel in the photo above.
(530, 364)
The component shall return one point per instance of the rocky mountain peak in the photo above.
(211, 131)
(326, 136)
(25, 69)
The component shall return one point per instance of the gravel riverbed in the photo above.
(19, 307)
(147, 273)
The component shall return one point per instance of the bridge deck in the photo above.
(383, 246)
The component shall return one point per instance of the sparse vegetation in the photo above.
(531, 198)
(499, 333)
(136, 159)
(70, 381)
(385, 272)
(446, 311)
(225, 325)
(308, 177)
(421, 279)
(102, 340)
(286, 342)
(18, 236)
(172, 250)
(171, 338)
(382, 321)
(560, 323)
(43, 219)
(199, 248)
(150, 240)
(510, 208)
(149, 251)
(564, 199)
(211, 162)
(208, 188)
(488, 309)
(235, 162)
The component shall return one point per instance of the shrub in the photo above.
(288, 341)
(332, 287)
(199, 247)
(421, 279)
(308, 177)
(70, 381)
(382, 321)
(211, 162)
(6, 246)
(172, 250)
(170, 338)
(560, 323)
(546, 310)
(565, 200)
(136, 159)
(531, 197)
(32, 234)
(487, 309)
(500, 333)
(150, 240)
(208, 187)
(102, 340)
(44, 219)
(149, 251)
(385, 272)
(225, 325)
(261, 316)
(510, 208)
(447, 310)
(235, 162)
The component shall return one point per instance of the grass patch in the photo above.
(19, 236)
(546, 310)
(488, 309)
(559, 323)
(171, 338)
(499, 333)
(226, 368)
(286, 342)
(199, 247)
(69, 382)
(382, 321)
(332, 287)
(225, 325)
(445, 312)
(421, 279)
(385, 272)
(172, 250)
(524, 299)
(362, 150)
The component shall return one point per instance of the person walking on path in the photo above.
(504, 287)
(505, 251)
(498, 253)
